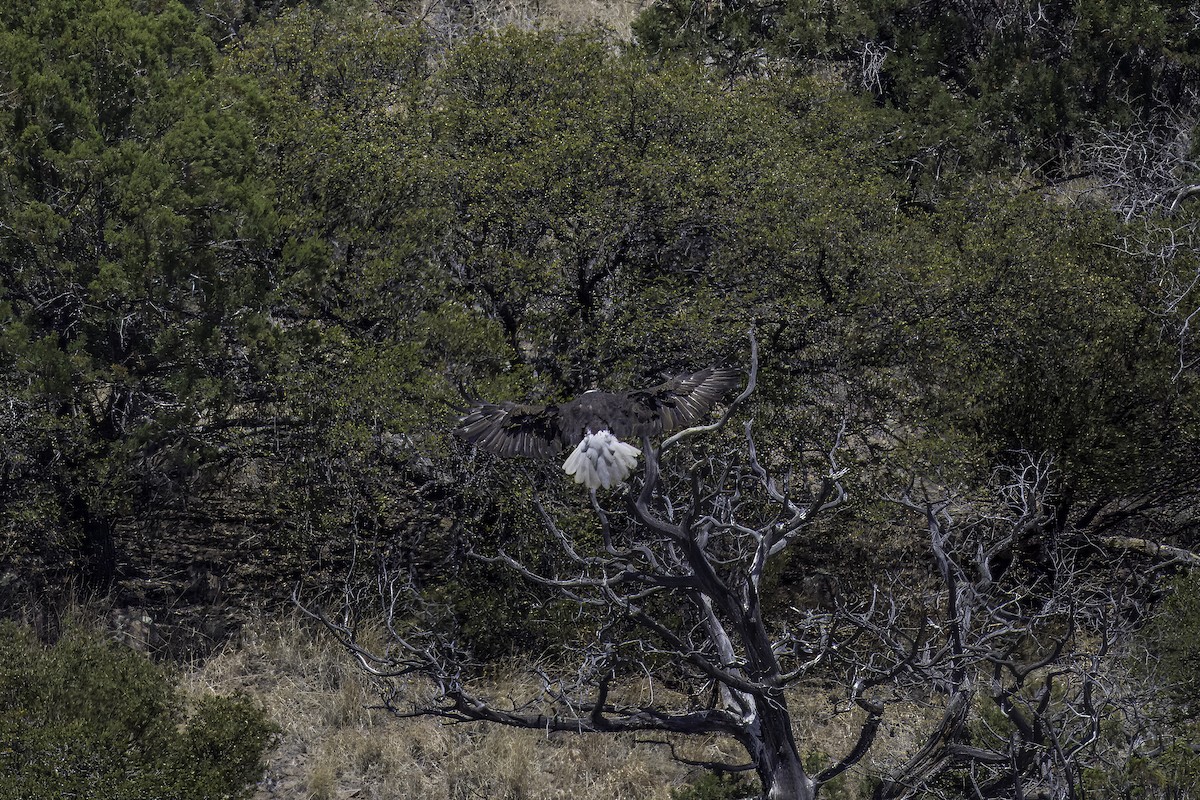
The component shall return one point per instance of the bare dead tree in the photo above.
(675, 575)
(1017, 641)
(1146, 174)
(1145, 169)
(1009, 633)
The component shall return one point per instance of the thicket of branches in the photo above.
(1016, 631)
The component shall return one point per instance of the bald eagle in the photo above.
(593, 424)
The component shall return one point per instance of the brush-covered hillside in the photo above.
(257, 259)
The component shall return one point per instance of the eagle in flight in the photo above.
(592, 425)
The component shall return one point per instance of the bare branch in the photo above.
(1165, 553)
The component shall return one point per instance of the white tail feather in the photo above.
(601, 460)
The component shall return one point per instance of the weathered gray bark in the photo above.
(772, 747)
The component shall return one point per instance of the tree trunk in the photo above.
(773, 749)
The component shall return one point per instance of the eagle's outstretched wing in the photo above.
(676, 404)
(512, 429)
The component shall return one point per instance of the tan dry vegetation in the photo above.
(334, 745)
(616, 15)
(335, 742)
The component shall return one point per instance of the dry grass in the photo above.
(334, 745)
(615, 15)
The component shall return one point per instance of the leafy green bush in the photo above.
(1165, 764)
(89, 718)
(1174, 637)
(716, 787)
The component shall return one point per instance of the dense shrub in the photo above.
(1174, 637)
(89, 718)
(715, 787)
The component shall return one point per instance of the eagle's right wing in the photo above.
(512, 429)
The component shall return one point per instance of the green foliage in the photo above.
(130, 262)
(1174, 638)
(252, 287)
(359, 380)
(581, 186)
(1034, 75)
(92, 719)
(1045, 340)
(1172, 773)
(713, 786)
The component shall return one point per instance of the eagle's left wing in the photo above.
(512, 429)
(678, 403)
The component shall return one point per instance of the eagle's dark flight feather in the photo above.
(513, 429)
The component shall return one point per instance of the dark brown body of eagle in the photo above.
(594, 423)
